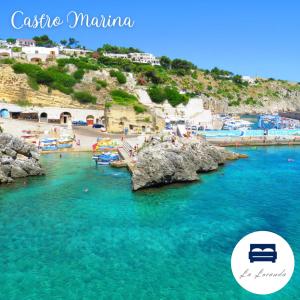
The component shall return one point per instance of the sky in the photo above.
(256, 38)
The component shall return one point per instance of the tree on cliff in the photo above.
(44, 41)
(11, 40)
(165, 62)
(64, 42)
(72, 42)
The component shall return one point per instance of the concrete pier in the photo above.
(255, 141)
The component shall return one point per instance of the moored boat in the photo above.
(106, 158)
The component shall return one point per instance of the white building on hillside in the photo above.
(75, 52)
(144, 58)
(55, 115)
(248, 79)
(191, 114)
(4, 43)
(38, 54)
(141, 58)
(25, 43)
(115, 55)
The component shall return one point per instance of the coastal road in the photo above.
(96, 132)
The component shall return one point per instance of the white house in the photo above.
(71, 51)
(56, 115)
(144, 58)
(25, 43)
(37, 54)
(248, 79)
(141, 58)
(65, 115)
(3, 43)
(115, 55)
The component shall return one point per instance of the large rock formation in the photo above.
(17, 159)
(163, 162)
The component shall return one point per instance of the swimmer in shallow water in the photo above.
(86, 190)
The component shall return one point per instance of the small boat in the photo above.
(105, 158)
(236, 124)
(64, 145)
(48, 144)
(49, 148)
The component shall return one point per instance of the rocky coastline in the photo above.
(18, 159)
(165, 161)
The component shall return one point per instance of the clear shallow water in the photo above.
(59, 242)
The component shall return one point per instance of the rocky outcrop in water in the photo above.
(17, 159)
(165, 162)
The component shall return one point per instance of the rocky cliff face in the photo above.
(14, 87)
(17, 159)
(165, 162)
(286, 101)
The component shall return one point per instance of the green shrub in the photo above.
(108, 104)
(102, 83)
(33, 84)
(157, 94)
(28, 69)
(155, 77)
(182, 66)
(43, 77)
(235, 102)
(8, 61)
(116, 49)
(23, 102)
(85, 97)
(64, 89)
(52, 77)
(78, 75)
(81, 63)
(139, 108)
(16, 49)
(174, 97)
(250, 101)
(194, 75)
(119, 75)
(123, 98)
(61, 77)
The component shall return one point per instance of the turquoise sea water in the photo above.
(59, 242)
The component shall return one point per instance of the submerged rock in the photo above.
(17, 159)
(164, 162)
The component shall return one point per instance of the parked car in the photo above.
(79, 123)
(98, 126)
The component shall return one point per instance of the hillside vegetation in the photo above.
(174, 80)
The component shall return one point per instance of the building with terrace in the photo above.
(25, 43)
(40, 54)
(55, 115)
(140, 58)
